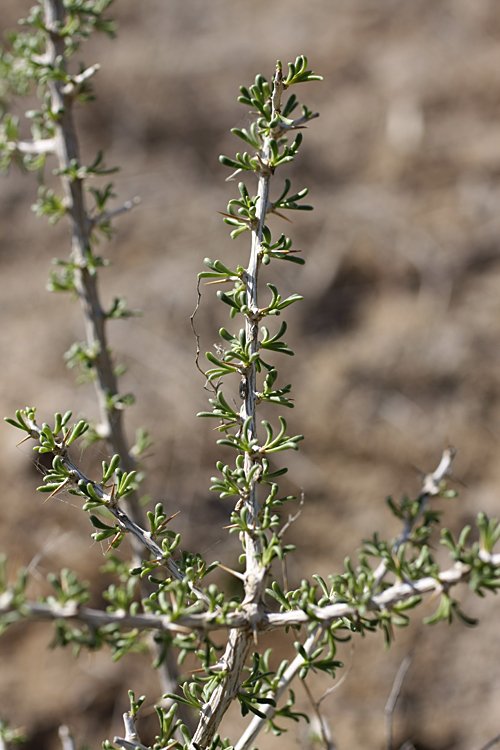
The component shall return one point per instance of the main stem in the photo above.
(241, 640)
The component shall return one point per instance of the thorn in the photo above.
(454, 478)
(255, 635)
(115, 539)
(23, 441)
(57, 490)
(112, 502)
(233, 175)
(435, 595)
(225, 426)
(237, 218)
(233, 572)
(277, 213)
(161, 526)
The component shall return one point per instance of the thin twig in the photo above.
(341, 681)
(323, 727)
(208, 384)
(107, 215)
(126, 524)
(490, 743)
(393, 697)
(292, 519)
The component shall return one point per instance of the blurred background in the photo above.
(396, 341)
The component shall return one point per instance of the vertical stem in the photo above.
(240, 641)
(85, 280)
(252, 319)
(106, 385)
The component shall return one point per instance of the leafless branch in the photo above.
(322, 724)
(393, 698)
(107, 215)
(292, 519)
(340, 682)
(491, 742)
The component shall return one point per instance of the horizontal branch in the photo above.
(385, 600)
(39, 147)
(97, 618)
(327, 615)
(210, 621)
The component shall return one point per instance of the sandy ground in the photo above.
(397, 340)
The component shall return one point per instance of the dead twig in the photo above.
(393, 697)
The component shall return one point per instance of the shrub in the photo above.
(166, 592)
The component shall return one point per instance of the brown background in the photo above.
(397, 341)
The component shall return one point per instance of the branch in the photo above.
(211, 621)
(67, 741)
(85, 279)
(491, 742)
(393, 697)
(131, 739)
(399, 592)
(239, 642)
(72, 88)
(328, 615)
(107, 215)
(258, 723)
(430, 488)
(67, 151)
(324, 729)
(97, 618)
(126, 524)
(42, 146)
